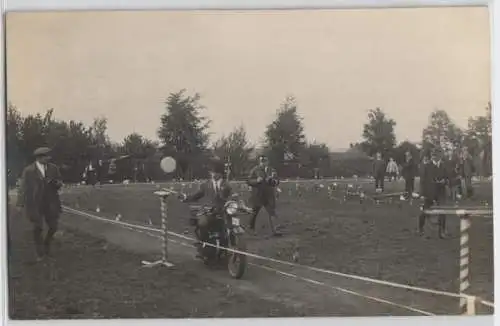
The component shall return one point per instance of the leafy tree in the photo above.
(183, 131)
(406, 146)
(15, 155)
(378, 133)
(315, 157)
(137, 146)
(69, 141)
(441, 132)
(32, 134)
(236, 150)
(478, 139)
(101, 146)
(312, 154)
(285, 138)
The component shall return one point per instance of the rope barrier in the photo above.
(467, 302)
(308, 280)
(269, 259)
(483, 302)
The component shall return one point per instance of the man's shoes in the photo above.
(443, 235)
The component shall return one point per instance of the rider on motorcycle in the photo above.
(218, 191)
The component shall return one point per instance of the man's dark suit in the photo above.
(408, 172)
(39, 197)
(434, 180)
(263, 192)
(216, 197)
(379, 173)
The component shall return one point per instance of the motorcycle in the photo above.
(225, 232)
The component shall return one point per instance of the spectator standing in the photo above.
(434, 190)
(408, 172)
(392, 169)
(379, 171)
(263, 180)
(39, 200)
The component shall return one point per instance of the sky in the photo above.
(337, 63)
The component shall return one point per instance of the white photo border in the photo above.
(65, 5)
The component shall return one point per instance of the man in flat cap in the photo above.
(434, 180)
(39, 198)
(263, 181)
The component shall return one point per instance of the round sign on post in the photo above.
(168, 164)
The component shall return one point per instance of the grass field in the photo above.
(371, 240)
(92, 279)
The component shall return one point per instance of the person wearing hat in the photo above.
(434, 181)
(263, 181)
(38, 198)
(217, 191)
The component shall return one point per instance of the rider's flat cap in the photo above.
(41, 151)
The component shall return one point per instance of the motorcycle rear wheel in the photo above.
(237, 263)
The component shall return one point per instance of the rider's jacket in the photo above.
(216, 193)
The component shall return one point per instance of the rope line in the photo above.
(319, 270)
(307, 280)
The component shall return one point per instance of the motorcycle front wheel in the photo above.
(237, 263)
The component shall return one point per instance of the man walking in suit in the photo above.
(408, 171)
(434, 183)
(39, 199)
(217, 190)
(263, 181)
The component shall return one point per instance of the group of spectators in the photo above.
(458, 165)
(98, 172)
(443, 176)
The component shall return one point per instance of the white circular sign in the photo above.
(168, 164)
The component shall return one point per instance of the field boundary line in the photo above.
(295, 276)
(248, 254)
(460, 212)
(346, 180)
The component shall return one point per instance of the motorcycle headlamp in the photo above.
(231, 208)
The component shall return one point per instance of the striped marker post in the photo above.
(464, 261)
(467, 303)
(164, 249)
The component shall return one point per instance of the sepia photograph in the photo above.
(249, 163)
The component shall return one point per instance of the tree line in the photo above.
(441, 132)
(183, 133)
